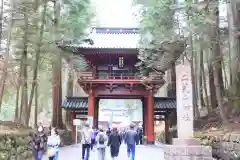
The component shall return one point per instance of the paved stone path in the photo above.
(142, 153)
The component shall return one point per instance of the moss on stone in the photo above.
(14, 146)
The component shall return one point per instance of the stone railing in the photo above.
(224, 147)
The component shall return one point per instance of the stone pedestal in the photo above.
(187, 149)
(184, 147)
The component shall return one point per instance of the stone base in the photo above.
(187, 149)
(150, 142)
(186, 141)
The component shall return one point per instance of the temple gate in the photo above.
(112, 75)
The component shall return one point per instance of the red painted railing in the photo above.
(117, 77)
(126, 76)
(89, 75)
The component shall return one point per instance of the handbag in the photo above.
(51, 152)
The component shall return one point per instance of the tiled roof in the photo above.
(82, 103)
(165, 103)
(116, 38)
(75, 103)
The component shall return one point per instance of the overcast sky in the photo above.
(115, 13)
(119, 13)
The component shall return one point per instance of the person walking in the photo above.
(108, 132)
(86, 141)
(130, 140)
(140, 136)
(38, 143)
(53, 144)
(101, 140)
(93, 138)
(114, 141)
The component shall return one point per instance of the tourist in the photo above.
(101, 140)
(139, 136)
(130, 140)
(114, 141)
(93, 138)
(38, 143)
(53, 144)
(108, 132)
(86, 141)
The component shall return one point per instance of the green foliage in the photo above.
(75, 18)
(158, 24)
(158, 20)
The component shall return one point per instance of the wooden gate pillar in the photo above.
(145, 115)
(96, 113)
(150, 120)
(166, 120)
(91, 106)
(73, 116)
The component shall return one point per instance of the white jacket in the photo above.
(86, 135)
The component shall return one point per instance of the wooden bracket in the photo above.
(129, 86)
(111, 87)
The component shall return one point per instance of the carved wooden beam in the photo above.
(111, 86)
(130, 87)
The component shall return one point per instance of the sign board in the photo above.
(184, 102)
(76, 122)
(79, 116)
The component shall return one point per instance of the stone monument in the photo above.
(185, 147)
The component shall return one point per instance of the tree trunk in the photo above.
(212, 89)
(69, 93)
(6, 56)
(219, 94)
(56, 72)
(194, 93)
(19, 83)
(216, 60)
(206, 91)
(36, 107)
(234, 49)
(172, 85)
(200, 77)
(226, 84)
(25, 71)
(37, 58)
(204, 82)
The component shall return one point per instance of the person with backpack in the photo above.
(86, 141)
(101, 140)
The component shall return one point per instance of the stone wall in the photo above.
(224, 147)
(15, 147)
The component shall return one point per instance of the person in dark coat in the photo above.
(139, 137)
(38, 142)
(114, 142)
(108, 132)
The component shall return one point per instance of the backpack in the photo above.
(87, 138)
(101, 139)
